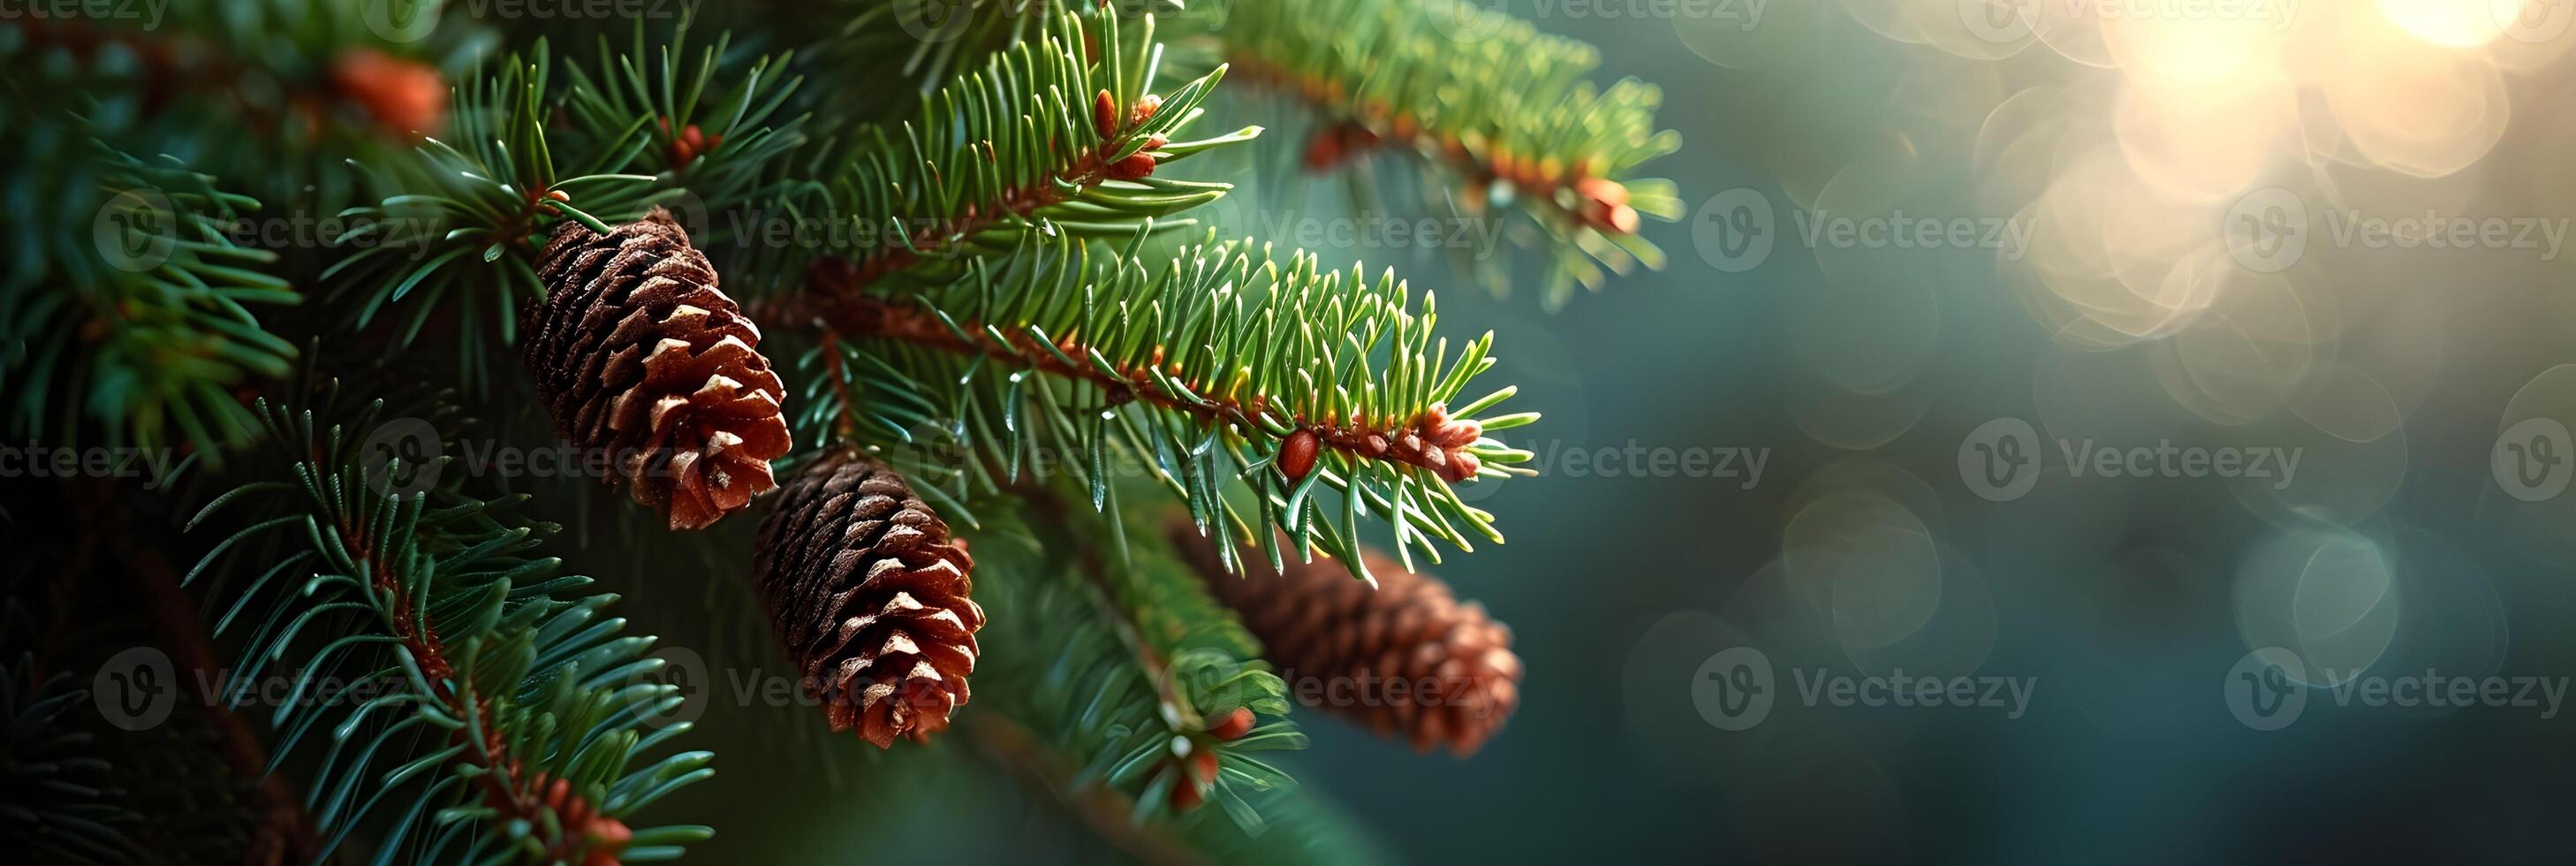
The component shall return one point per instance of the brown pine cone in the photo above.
(642, 360)
(1406, 656)
(869, 597)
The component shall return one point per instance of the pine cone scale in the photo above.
(1318, 622)
(870, 597)
(638, 355)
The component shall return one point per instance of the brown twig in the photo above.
(1431, 440)
(1603, 203)
(585, 834)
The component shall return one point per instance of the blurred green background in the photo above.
(2128, 314)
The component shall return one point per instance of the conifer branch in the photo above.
(490, 198)
(925, 44)
(1222, 367)
(309, 83)
(134, 312)
(524, 697)
(1502, 110)
(1055, 135)
(716, 143)
(1146, 710)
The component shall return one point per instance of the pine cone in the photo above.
(870, 598)
(1344, 646)
(641, 359)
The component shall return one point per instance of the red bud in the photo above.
(1297, 456)
(1104, 114)
(1135, 166)
(1234, 725)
